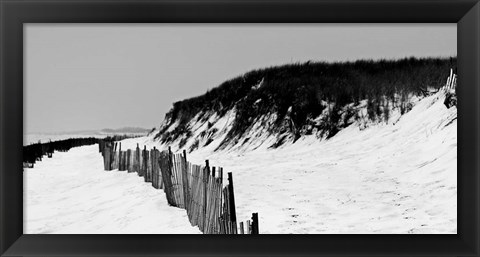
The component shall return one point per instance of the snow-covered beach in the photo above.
(72, 194)
(323, 128)
(399, 177)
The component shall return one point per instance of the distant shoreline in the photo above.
(34, 138)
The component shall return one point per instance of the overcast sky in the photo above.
(82, 77)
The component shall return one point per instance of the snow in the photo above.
(257, 86)
(399, 177)
(72, 194)
(386, 178)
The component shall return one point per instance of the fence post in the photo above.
(186, 189)
(233, 215)
(160, 171)
(206, 172)
(255, 223)
(112, 155)
(153, 157)
(120, 157)
(220, 198)
(148, 166)
(129, 154)
(120, 167)
(107, 158)
(170, 164)
(185, 156)
(144, 162)
(170, 159)
(114, 147)
(124, 160)
(136, 162)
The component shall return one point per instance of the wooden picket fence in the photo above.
(197, 189)
(451, 81)
(35, 152)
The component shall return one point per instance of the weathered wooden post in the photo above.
(186, 189)
(170, 156)
(107, 158)
(136, 165)
(160, 173)
(133, 161)
(226, 211)
(241, 228)
(144, 162)
(219, 199)
(129, 161)
(255, 223)
(161, 184)
(124, 160)
(170, 169)
(119, 160)
(112, 155)
(233, 215)
(206, 172)
(121, 164)
(166, 170)
(120, 156)
(148, 166)
(153, 157)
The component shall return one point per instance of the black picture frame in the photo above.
(13, 13)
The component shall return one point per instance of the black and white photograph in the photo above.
(168, 128)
